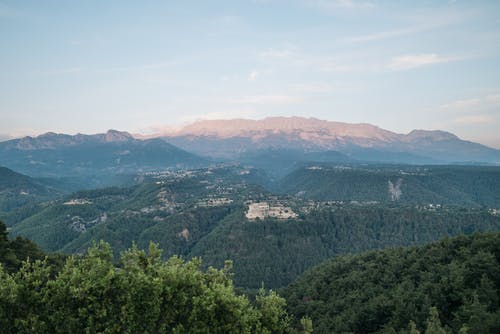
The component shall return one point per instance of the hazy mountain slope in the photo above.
(382, 291)
(230, 138)
(279, 162)
(56, 155)
(451, 185)
(17, 190)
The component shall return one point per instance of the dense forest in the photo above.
(446, 287)
(276, 251)
(140, 293)
(270, 251)
(466, 186)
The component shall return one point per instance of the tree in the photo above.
(143, 294)
(433, 323)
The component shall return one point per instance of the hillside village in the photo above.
(261, 210)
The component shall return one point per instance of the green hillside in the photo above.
(162, 205)
(276, 251)
(18, 190)
(201, 213)
(470, 186)
(383, 291)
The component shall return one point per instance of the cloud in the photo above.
(474, 119)
(461, 104)
(253, 75)
(143, 67)
(383, 35)
(69, 70)
(488, 102)
(276, 53)
(265, 99)
(435, 21)
(341, 4)
(315, 88)
(474, 111)
(493, 98)
(408, 62)
(246, 113)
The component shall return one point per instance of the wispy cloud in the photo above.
(117, 69)
(229, 114)
(461, 104)
(143, 67)
(486, 102)
(276, 53)
(69, 70)
(408, 62)
(253, 75)
(341, 4)
(315, 88)
(435, 21)
(474, 119)
(265, 99)
(381, 35)
(473, 111)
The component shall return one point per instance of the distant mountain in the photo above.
(232, 138)
(17, 190)
(280, 162)
(111, 153)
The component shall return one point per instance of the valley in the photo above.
(273, 231)
(275, 212)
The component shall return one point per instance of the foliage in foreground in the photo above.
(447, 287)
(142, 295)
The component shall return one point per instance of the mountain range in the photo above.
(100, 155)
(235, 139)
(277, 145)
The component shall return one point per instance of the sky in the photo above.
(144, 66)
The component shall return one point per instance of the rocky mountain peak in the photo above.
(117, 136)
(435, 135)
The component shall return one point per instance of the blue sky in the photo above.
(140, 66)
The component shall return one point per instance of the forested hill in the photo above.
(384, 291)
(203, 213)
(469, 186)
(18, 190)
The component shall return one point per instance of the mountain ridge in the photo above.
(362, 141)
(237, 127)
(100, 155)
(244, 141)
(51, 140)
